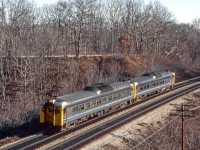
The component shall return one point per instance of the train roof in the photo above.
(152, 76)
(77, 96)
(100, 89)
(120, 85)
(90, 92)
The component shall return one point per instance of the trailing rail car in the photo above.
(69, 110)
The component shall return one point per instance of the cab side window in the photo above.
(50, 109)
(42, 109)
(57, 110)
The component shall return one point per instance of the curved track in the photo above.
(40, 140)
(81, 139)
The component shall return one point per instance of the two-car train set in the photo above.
(72, 109)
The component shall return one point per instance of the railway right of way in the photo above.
(44, 139)
(81, 139)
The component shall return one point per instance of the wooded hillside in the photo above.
(142, 37)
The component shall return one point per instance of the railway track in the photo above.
(76, 141)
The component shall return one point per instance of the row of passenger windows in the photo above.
(96, 102)
(146, 86)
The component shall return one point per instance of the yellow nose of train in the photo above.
(51, 115)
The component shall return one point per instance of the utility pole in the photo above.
(182, 122)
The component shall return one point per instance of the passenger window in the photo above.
(114, 96)
(93, 103)
(119, 95)
(103, 99)
(87, 105)
(127, 92)
(109, 98)
(81, 107)
(75, 109)
(98, 101)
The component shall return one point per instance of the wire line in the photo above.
(156, 131)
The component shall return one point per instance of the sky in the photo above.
(183, 10)
(41, 2)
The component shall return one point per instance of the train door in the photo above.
(134, 91)
(49, 115)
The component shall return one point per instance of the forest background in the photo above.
(36, 42)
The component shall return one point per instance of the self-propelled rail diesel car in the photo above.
(72, 109)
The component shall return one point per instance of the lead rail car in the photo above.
(72, 109)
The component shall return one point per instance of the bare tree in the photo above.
(113, 18)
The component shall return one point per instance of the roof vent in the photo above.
(99, 88)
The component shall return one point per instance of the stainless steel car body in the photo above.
(85, 96)
(149, 80)
(113, 94)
